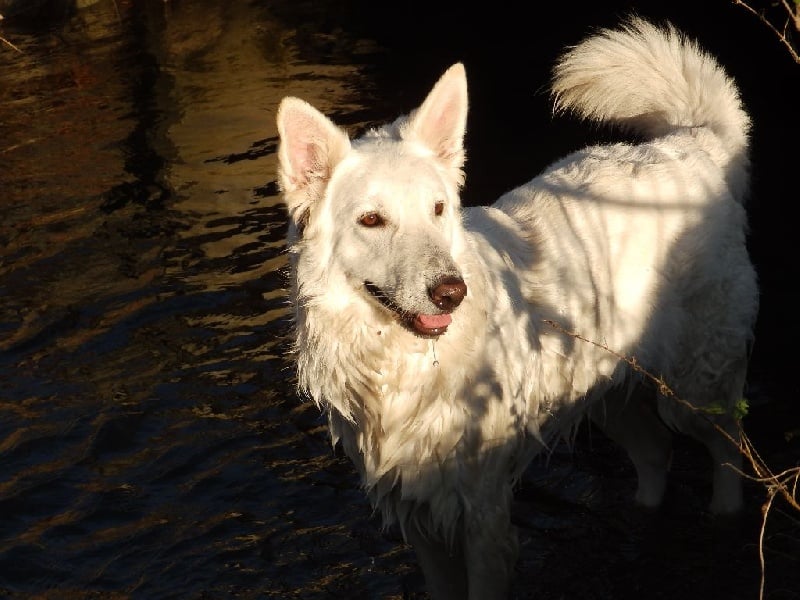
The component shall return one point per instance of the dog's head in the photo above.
(376, 220)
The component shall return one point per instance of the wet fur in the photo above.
(640, 248)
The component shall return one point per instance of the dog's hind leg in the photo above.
(443, 567)
(726, 459)
(714, 425)
(712, 422)
(633, 423)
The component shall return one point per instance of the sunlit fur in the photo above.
(638, 248)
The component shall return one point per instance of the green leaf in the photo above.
(741, 407)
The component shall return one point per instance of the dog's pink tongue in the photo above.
(435, 321)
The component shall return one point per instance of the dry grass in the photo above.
(6, 42)
(776, 485)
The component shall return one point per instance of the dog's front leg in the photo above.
(490, 553)
(443, 567)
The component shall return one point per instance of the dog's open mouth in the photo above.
(423, 325)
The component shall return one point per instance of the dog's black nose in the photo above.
(448, 292)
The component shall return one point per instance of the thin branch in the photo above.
(765, 508)
(794, 17)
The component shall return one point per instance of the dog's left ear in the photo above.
(441, 121)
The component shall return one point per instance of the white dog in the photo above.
(449, 346)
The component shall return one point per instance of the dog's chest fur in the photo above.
(423, 427)
(427, 419)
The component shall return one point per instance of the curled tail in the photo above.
(653, 81)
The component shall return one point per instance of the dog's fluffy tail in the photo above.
(653, 81)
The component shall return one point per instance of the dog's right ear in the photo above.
(311, 146)
(441, 121)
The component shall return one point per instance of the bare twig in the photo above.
(763, 563)
(793, 17)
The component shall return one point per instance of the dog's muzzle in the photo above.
(446, 294)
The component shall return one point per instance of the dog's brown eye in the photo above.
(371, 219)
(438, 209)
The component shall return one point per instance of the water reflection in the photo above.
(151, 440)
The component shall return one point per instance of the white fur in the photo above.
(639, 248)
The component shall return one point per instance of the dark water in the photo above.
(151, 443)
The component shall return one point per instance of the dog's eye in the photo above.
(371, 219)
(438, 209)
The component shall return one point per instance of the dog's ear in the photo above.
(441, 121)
(311, 146)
